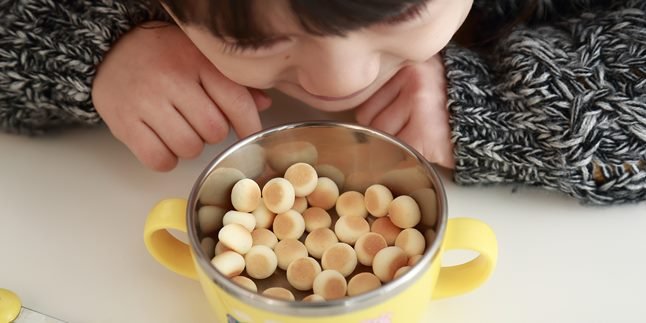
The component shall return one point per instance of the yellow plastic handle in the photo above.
(166, 249)
(9, 305)
(470, 234)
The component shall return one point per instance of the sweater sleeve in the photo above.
(561, 105)
(49, 54)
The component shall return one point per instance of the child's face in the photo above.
(332, 73)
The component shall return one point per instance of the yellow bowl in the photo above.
(359, 157)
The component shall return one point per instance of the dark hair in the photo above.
(235, 18)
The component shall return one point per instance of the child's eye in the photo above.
(256, 46)
(410, 13)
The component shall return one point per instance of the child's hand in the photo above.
(413, 106)
(163, 99)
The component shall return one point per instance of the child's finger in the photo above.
(171, 127)
(234, 101)
(368, 110)
(394, 117)
(202, 114)
(149, 149)
(262, 100)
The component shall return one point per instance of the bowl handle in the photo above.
(469, 234)
(166, 249)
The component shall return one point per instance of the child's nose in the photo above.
(339, 70)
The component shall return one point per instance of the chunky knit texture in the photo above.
(49, 53)
(560, 104)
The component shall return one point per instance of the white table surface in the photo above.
(73, 206)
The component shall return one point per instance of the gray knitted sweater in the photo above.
(559, 102)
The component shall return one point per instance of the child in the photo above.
(558, 101)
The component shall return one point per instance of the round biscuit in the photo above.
(387, 261)
(301, 273)
(324, 195)
(245, 195)
(278, 195)
(303, 178)
(236, 237)
(367, 247)
(363, 283)
(261, 262)
(289, 225)
(319, 240)
(229, 263)
(289, 250)
(377, 199)
(340, 257)
(330, 285)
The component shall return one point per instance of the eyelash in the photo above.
(410, 13)
(238, 47)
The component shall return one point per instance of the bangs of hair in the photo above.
(235, 18)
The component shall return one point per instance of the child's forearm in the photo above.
(49, 52)
(562, 107)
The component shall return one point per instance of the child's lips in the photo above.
(337, 98)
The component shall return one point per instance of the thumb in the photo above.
(261, 99)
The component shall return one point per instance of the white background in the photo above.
(73, 206)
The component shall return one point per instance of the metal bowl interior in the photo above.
(354, 157)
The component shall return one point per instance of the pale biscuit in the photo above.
(363, 283)
(220, 248)
(401, 271)
(280, 293)
(300, 204)
(319, 240)
(426, 198)
(316, 218)
(245, 282)
(264, 237)
(303, 178)
(387, 229)
(289, 250)
(216, 189)
(236, 237)
(351, 203)
(404, 212)
(324, 195)
(387, 261)
(331, 172)
(340, 257)
(209, 218)
(301, 273)
(367, 247)
(377, 200)
(229, 263)
(330, 285)
(278, 195)
(411, 241)
(289, 225)
(208, 247)
(261, 262)
(244, 219)
(313, 298)
(245, 195)
(281, 156)
(412, 261)
(350, 228)
(264, 217)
